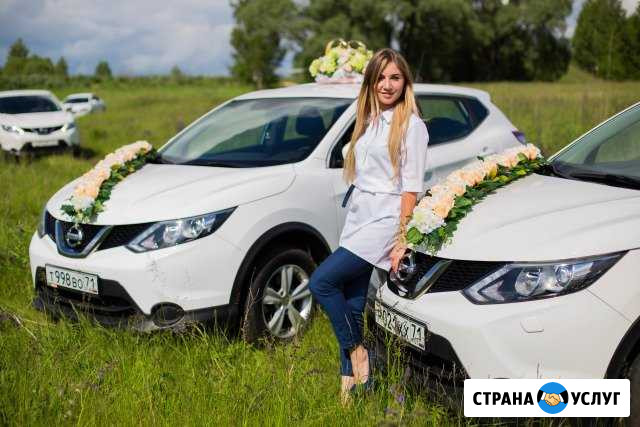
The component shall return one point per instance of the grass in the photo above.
(77, 373)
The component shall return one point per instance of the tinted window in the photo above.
(257, 132)
(26, 104)
(337, 161)
(76, 100)
(449, 118)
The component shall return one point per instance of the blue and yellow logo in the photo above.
(553, 398)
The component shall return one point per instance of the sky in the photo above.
(137, 36)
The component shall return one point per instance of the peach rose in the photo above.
(440, 204)
(531, 151)
(457, 185)
(490, 167)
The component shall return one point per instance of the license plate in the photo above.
(44, 143)
(401, 326)
(76, 280)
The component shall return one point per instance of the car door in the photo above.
(451, 121)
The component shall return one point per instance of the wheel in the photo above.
(279, 304)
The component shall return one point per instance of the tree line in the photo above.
(443, 41)
(20, 62)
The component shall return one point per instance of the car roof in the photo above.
(32, 92)
(349, 90)
(80, 95)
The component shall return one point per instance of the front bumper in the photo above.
(194, 276)
(33, 141)
(573, 336)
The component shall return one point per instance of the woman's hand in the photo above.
(396, 255)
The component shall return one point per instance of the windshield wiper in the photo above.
(158, 159)
(214, 163)
(607, 178)
(551, 169)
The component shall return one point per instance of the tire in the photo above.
(272, 312)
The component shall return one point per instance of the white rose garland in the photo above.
(436, 215)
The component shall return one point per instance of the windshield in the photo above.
(256, 132)
(609, 154)
(76, 100)
(27, 104)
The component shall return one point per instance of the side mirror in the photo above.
(68, 108)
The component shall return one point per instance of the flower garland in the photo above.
(94, 187)
(341, 63)
(437, 215)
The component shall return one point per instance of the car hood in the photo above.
(34, 120)
(162, 192)
(541, 218)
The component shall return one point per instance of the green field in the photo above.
(77, 373)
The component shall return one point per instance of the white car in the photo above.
(236, 212)
(80, 104)
(35, 120)
(541, 279)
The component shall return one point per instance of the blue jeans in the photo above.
(340, 285)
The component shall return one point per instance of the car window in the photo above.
(337, 161)
(448, 117)
(27, 104)
(257, 132)
(76, 100)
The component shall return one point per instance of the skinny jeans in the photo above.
(340, 285)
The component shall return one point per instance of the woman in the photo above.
(385, 164)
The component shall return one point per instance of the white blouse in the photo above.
(374, 206)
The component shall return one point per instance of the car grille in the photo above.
(118, 235)
(458, 275)
(122, 234)
(43, 131)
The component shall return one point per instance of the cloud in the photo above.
(135, 37)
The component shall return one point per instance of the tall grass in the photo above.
(78, 373)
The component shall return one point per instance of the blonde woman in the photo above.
(385, 165)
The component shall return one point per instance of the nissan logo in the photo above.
(74, 236)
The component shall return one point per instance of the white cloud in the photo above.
(135, 37)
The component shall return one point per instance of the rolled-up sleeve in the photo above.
(414, 160)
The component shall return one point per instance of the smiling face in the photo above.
(390, 86)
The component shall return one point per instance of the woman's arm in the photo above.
(412, 170)
(407, 203)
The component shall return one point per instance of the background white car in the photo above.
(237, 211)
(541, 279)
(80, 104)
(35, 120)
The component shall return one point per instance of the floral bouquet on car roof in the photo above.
(342, 62)
(437, 215)
(94, 187)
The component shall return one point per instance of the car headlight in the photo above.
(170, 233)
(68, 126)
(12, 129)
(528, 281)
(41, 223)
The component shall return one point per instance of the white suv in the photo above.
(34, 120)
(541, 279)
(80, 104)
(236, 212)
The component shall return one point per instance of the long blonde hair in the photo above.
(368, 107)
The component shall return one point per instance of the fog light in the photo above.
(167, 314)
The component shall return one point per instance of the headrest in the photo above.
(309, 122)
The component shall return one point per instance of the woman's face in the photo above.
(390, 86)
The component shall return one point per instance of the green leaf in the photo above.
(461, 202)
